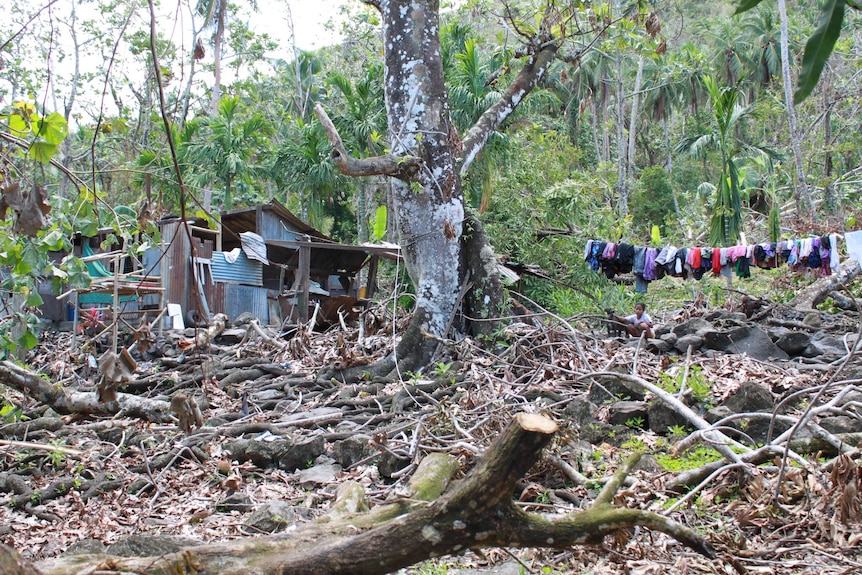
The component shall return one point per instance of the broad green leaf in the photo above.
(819, 47)
(746, 5)
(53, 128)
(55, 241)
(28, 340)
(379, 223)
(34, 299)
(7, 344)
(21, 267)
(58, 273)
(42, 152)
(18, 126)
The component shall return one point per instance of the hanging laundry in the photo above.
(854, 245)
(649, 264)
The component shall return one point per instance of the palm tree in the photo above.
(472, 90)
(215, 14)
(729, 49)
(360, 116)
(470, 94)
(592, 80)
(157, 165)
(728, 115)
(763, 42)
(303, 163)
(227, 151)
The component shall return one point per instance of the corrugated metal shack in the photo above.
(263, 260)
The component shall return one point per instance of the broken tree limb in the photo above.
(475, 512)
(202, 337)
(254, 326)
(815, 294)
(67, 402)
(401, 167)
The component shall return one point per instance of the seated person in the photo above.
(637, 323)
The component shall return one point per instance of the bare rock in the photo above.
(628, 412)
(324, 471)
(150, 545)
(753, 398)
(662, 345)
(580, 412)
(841, 424)
(822, 343)
(286, 454)
(610, 389)
(694, 325)
(750, 340)
(692, 340)
(237, 502)
(353, 449)
(86, 547)
(794, 342)
(275, 516)
(662, 418)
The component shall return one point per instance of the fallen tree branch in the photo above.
(812, 296)
(475, 512)
(203, 336)
(719, 441)
(401, 167)
(67, 402)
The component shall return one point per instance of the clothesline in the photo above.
(649, 263)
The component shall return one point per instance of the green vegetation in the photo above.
(692, 459)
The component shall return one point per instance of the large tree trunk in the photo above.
(815, 294)
(630, 152)
(803, 194)
(433, 520)
(426, 162)
(429, 209)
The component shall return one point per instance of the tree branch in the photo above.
(401, 167)
(476, 512)
(528, 78)
(67, 402)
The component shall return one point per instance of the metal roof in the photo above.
(241, 220)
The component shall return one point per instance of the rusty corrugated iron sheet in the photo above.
(242, 271)
(237, 299)
(253, 246)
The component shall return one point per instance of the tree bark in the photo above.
(630, 152)
(812, 296)
(427, 161)
(803, 194)
(67, 402)
(476, 512)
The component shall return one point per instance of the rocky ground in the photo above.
(776, 390)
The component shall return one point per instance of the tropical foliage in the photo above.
(707, 162)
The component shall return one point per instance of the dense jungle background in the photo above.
(658, 123)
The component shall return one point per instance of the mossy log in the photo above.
(475, 512)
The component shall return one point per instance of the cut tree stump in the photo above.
(437, 517)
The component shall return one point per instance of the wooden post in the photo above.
(116, 311)
(302, 280)
(372, 276)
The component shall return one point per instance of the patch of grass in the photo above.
(697, 457)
